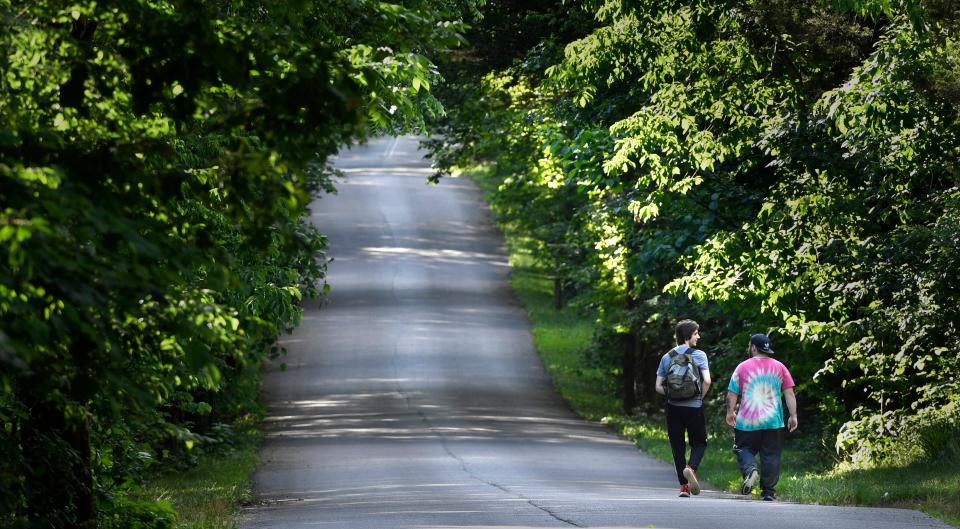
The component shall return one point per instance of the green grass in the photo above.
(206, 496)
(807, 474)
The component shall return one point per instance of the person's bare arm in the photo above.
(732, 408)
(658, 385)
(705, 387)
(791, 398)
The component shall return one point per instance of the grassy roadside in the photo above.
(806, 476)
(206, 496)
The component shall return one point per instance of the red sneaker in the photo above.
(684, 491)
(692, 480)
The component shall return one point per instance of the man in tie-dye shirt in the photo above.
(758, 384)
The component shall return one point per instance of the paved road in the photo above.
(413, 399)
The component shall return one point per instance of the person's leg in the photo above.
(697, 436)
(771, 446)
(676, 427)
(745, 447)
(697, 430)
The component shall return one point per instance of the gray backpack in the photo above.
(683, 376)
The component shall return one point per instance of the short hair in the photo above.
(685, 330)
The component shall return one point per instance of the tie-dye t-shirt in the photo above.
(760, 382)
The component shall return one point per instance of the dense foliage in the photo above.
(758, 165)
(156, 162)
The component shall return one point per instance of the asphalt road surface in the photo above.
(413, 398)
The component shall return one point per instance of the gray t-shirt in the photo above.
(699, 358)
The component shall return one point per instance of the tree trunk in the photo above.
(557, 292)
(629, 368)
(628, 362)
(649, 361)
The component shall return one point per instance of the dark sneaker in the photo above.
(768, 497)
(748, 481)
(684, 491)
(692, 480)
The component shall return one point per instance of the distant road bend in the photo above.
(414, 399)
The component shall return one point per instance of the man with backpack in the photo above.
(684, 378)
(758, 384)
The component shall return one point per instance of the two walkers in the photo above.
(756, 384)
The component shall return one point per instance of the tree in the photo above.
(762, 165)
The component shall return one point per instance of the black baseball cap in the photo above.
(762, 341)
